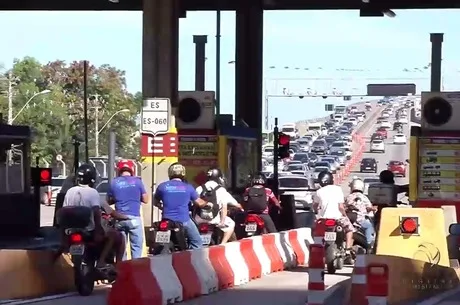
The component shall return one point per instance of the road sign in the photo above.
(329, 107)
(155, 116)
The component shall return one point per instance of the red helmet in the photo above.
(126, 166)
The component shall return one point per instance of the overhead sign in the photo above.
(390, 89)
(329, 107)
(155, 116)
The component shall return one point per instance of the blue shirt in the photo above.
(126, 192)
(176, 196)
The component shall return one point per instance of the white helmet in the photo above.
(357, 185)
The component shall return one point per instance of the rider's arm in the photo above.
(144, 196)
(232, 201)
(95, 203)
(156, 200)
(109, 210)
(316, 202)
(342, 209)
(272, 199)
(195, 198)
(403, 188)
(110, 194)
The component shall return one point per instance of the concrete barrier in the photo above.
(33, 273)
(172, 278)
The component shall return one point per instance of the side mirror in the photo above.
(454, 229)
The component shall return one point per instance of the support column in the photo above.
(436, 60)
(160, 48)
(249, 67)
(200, 42)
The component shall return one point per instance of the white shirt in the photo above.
(328, 199)
(223, 197)
(82, 196)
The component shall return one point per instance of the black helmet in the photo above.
(325, 178)
(387, 177)
(86, 174)
(215, 174)
(258, 179)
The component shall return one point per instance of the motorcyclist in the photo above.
(359, 204)
(84, 194)
(127, 193)
(328, 203)
(174, 197)
(216, 184)
(256, 203)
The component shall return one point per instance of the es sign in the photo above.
(155, 116)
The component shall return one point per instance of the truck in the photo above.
(290, 129)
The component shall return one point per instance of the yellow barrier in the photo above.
(429, 245)
(411, 279)
(33, 273)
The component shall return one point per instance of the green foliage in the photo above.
(58, 115)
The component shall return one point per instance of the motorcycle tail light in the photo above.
(329, 222)
(256, 219)
(76, 238)
(203, 228)
(164, 225)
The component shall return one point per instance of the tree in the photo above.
(59, 115)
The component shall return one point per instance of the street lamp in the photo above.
(98, 131)
(46, 91)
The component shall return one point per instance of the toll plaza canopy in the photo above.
(199, 5)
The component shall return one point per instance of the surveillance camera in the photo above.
(301, 96)
(324, 96)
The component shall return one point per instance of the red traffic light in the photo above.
(41, 176)
(283, 139)
(45, 176)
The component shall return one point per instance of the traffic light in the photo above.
(283, 145)
(41, 176)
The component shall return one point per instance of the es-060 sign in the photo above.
(155, 116)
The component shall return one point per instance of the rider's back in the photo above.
(329, 198)
(176, 196)
(127, 192)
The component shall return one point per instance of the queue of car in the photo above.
(325, 148)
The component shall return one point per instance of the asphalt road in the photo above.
(287, 288)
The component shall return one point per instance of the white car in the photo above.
(385, 115)
(403, 120)
(267, 151)
(353, 120)
(377, 146)
(399, 139)
(385, 124)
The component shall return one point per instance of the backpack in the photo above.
(209, 195)
(257, 200)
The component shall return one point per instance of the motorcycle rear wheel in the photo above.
(331, 254)
(83, 277)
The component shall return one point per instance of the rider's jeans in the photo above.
(133, 230)
(369, 230)
(194, 237)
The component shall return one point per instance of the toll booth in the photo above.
(238, 155)
(20, 215)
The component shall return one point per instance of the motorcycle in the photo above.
(334, 243)
(253, 225)
(83, 250)
(166, 236)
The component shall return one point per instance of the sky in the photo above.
(302, 49)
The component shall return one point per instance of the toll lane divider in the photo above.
(359, 142)
(171, 278)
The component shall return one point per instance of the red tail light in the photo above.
(330, 222)
(76, 238)
(203, 228)
(164, 225)
(255, 218)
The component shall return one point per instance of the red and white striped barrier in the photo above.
(316, 286)
(377, 284)
(172, 278)
(359, 282)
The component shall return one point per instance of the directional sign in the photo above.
(155, 116)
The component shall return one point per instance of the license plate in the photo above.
(206, 239)
(163, 237)
(330, 236)
(77, 249)
(368, 167)
(251, 227)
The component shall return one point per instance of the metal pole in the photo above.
(266, 109)
(10, 98)
(85, 107)
(436, 59)
(200, 61)
(218, 30)
(96, 135)
(275, 158)
(111, 155)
